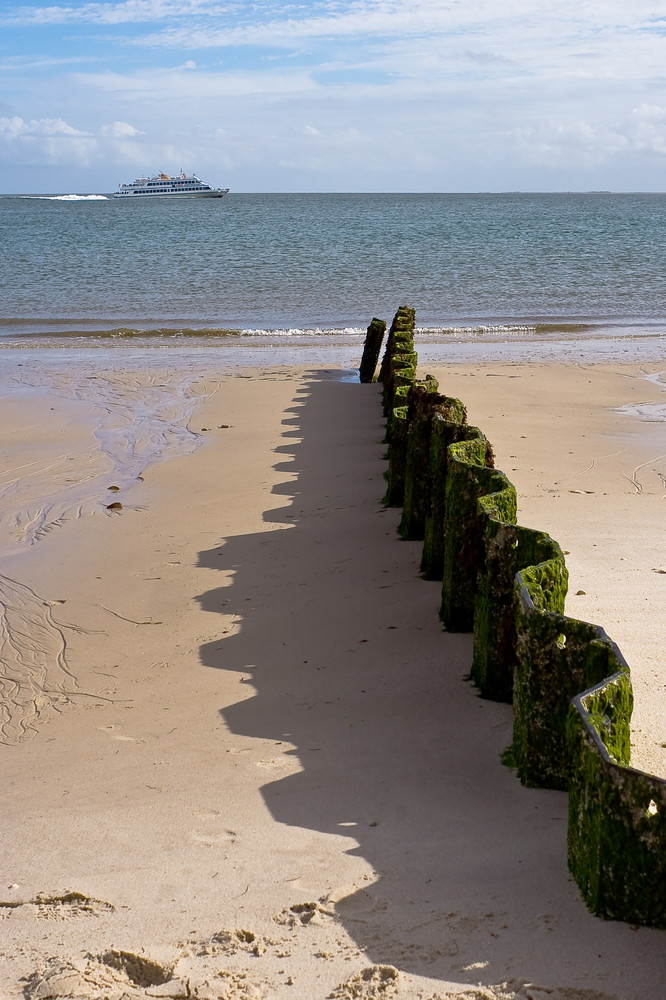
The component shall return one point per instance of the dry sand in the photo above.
(241, 759)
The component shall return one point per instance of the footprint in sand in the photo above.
(115, 975)
(376, 981)
(301, 914)
(60, 907)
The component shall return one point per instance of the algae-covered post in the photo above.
(508, 583)
(399, 354)
(617, 815)
(397, 438)
(398, 373)
(373, 344)
(399, 425)
(554, 663)
(508, 549)
(449, 424)
(467, 478)
(419, 415)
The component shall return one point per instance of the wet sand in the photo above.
(253, 767)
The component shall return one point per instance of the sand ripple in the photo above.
(34, 677)
(139, 418)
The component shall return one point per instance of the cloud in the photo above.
(485, 58)
(129, 12)
(650, 112)
(54, 141)
(650, 128)
(184, 85)
(347, 18)
(119, 130)
(42, 141)
(591, 144)
(17, 128)
(23, 63)
(206, 26)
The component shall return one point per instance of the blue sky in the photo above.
(335, 95)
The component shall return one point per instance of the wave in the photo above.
(16, 331)
(79, 330)
(508, 329)
(66, 197)
(24, 329)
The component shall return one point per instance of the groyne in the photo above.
(568, 682)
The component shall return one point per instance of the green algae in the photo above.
(449, 424)
(617, 815)
(467, 479)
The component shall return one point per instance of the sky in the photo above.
(335, 95)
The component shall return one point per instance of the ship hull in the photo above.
(167, 195)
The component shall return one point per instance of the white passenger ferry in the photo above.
(163, 186)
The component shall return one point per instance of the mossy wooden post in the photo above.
(494, 631)
(466, 480)
(400, 341)
(556, 659)
(448, 424)
(399, 403)
(395, 475)
(372, 349)
(420, 402)
(402, 328)
(617, 815)
(401, 376)
(508, 548)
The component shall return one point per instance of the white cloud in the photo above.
(42, 141)
(558, 22)
(22, 63)
(129, 12)
(650, 112)
(271, 22)
(650, 128)
(17, 128)
(120, 130)
(168, 85)
(53, 141)
(591, 144)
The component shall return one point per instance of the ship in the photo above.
(163, 186)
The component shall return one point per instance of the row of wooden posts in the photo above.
(568, 682)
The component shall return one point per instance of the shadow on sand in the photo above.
(351, 666)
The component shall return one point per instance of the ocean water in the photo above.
(479, 269)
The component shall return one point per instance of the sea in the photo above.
(302, 275)
(92, 285)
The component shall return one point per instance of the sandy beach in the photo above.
(240, 756)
